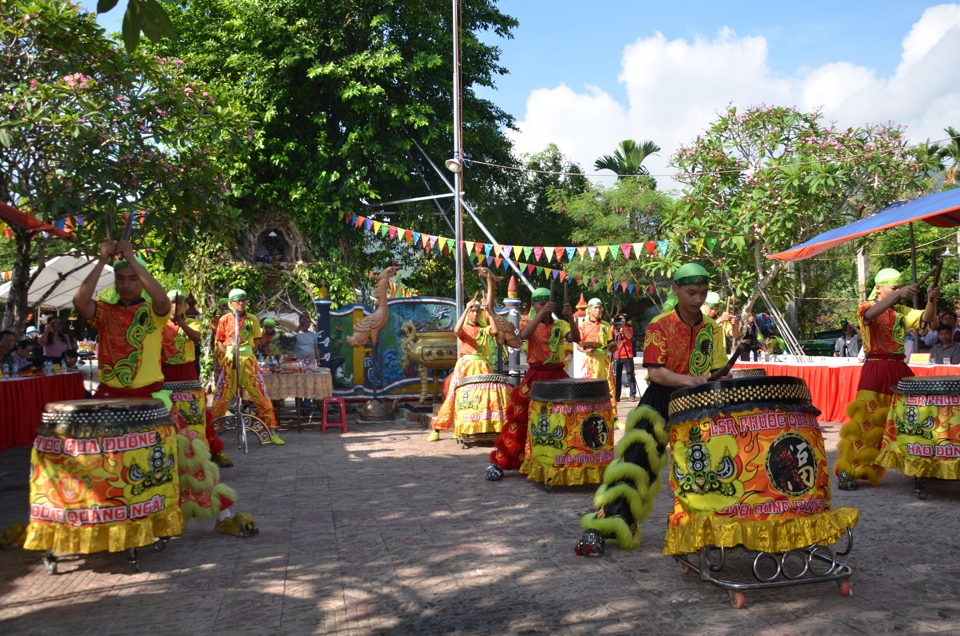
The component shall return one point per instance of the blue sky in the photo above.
(580, 43)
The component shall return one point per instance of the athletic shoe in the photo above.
(434, 436)
(276, 439)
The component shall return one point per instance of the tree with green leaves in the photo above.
(141, 16)
(949, 152)
(627, 161)
(769, 177)
(87, 130)
(345, 92)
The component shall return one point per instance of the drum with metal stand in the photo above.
(103, 478)
(749, 471)
(922, 435)
(570, 439)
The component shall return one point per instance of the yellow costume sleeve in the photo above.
(719, 347)
(911, 316)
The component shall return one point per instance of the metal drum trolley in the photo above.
(749, 471)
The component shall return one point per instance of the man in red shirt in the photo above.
(623, 355)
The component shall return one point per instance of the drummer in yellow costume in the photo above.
(249, 327)
(726, 320)
(476, 344)
(883, 328)
(595, 338)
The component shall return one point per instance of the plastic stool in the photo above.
(325, 423)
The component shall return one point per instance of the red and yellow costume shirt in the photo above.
(130, 344)
(886, 333)
(177, 346)
(546, 345)
(475, 340)
(600, 331)
(249, 332)
(684, 349)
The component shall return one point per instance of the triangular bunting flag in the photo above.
(478, 247)
(555, 273)
(582, 251)
(609, 285)
(487, 248)
(450, 244)
(578, 279)
(650, 245)
(593, 251)
(626, 250)
(358, 221)
(393, 232)
(636, 249)
(603, 249)
(347, 218)
(497, 250)
(630, 288)
(570, 252)
(416, 238)
(539, 270)
(368, 225)
(384, 229)
(530, 269)
(489, 261)
(623, 286)
(527, 250)
(408, 236)
(559, 251)
(710, 243)
(698, 244)
(498, 261)
(517, 251)
(376, 227)
(537, 252)
(663, 246)
(563, 276)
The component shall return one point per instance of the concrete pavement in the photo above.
(379, 532)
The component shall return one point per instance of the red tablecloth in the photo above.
(22, 402)
(832, 388)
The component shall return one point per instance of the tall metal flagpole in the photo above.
(458, 156)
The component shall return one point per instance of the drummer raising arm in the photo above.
(682, 345)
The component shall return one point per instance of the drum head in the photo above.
(929, 385)
(570, 390)
(723, 396)
(484, 378)
(90, 418)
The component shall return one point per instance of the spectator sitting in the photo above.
(774, 345)
(848, 345)
(32, 333)
(7, 344)
(70, 356)
(21, 355)
(947, 319)
(946, 351)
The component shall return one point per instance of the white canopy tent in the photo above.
(72, 270)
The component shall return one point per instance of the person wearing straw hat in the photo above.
(130, 316)
(884, 322)
(202, 494)
(545, 340)
(682, 345)
(250, 379)
(595, 338)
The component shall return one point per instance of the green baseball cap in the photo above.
(593, 302)
(713, 299)
(269, 322)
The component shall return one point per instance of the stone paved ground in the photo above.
(379, 532)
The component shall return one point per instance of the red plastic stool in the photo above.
(325, 407)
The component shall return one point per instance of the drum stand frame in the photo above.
(50, 559)
(837, 572)
(468, 441)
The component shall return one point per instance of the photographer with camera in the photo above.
(623, 355)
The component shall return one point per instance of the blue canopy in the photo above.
(941, 209)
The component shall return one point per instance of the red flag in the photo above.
(650, 245)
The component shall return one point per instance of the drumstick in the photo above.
(566, 295)
(934, 270)
(108, 225)
(551, 290)
(128, 228)
(729, 298)
(719, 373)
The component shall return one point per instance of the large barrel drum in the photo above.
(103, 477)
(749, 468)
(922, 434)
(481, 407)
(570, 439)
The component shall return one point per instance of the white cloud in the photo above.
(675, 88)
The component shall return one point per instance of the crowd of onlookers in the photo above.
(54, 344)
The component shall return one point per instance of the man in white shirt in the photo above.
(848, 345)
(948, 318)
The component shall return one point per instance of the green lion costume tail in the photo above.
(630, 485)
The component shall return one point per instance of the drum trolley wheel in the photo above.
(252, 425)
(920, 488)
(50, 559)
(813, 564)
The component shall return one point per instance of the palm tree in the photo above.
(627, 160)
(951, 150)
